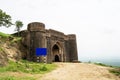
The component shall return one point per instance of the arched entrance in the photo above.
(56, 53)
(56, 58)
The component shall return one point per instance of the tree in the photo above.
(18, 25)
(5, 19)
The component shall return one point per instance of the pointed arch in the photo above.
(57, 52)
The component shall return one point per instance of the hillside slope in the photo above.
(10, 48)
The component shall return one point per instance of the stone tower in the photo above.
(60, 47)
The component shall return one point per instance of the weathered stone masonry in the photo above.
(60, 47)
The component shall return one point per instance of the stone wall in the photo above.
(60, 47)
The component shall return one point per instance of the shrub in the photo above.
(43, 68)
(115, 71)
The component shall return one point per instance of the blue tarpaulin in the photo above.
(41, 51)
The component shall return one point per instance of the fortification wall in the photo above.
(38, 37)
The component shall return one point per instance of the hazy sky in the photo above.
(96, 23)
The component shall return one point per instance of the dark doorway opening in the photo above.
(57, 58)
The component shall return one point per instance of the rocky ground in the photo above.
(11, 49)
(79, 71)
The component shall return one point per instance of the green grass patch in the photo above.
(115, 71)
(18, 38)
(28, 67)
(3, 35)
(1, 49)
(16, 78)
(101, 64)
(15, 40)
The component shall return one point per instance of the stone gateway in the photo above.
(60, 47)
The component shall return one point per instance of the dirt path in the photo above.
(79, 71)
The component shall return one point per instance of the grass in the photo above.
(101, 64)
(3, 35)
(28, 67)
(1, 49)
(15, 78)
(115, 70)
(15, 40)
(25, 68)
